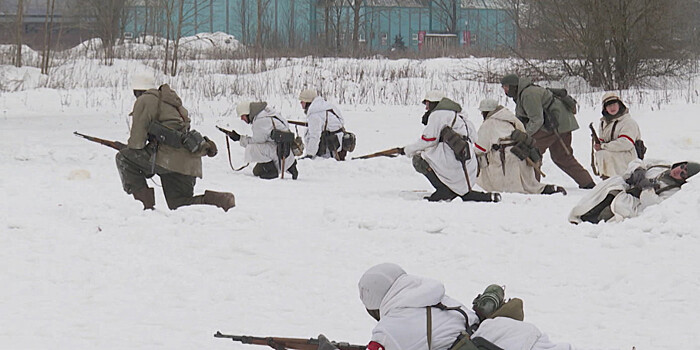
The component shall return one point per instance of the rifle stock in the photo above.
(297, 122)
(113, 144)
(392, 152)
(595, 140)
(278, 343)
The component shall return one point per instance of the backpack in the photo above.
(564, 97)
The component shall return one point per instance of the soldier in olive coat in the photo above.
(532, 102)
(144, 156)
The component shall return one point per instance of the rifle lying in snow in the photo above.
(287, 343)
(392, 152)
(114, 144)
(594, 141)
(296, 122)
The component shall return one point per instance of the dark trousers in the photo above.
(548, 140)
(134, 166)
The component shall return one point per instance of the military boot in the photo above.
(145, 196)
(442, 192)
(293, 170)
(223, 200)
(478, 196)
(552, 189)
(266, 171)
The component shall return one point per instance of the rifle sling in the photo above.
(228, 150)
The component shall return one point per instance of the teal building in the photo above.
(476, 26)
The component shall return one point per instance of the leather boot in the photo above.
(223, 200)
(551, 189)
(442, 192)
(145, 196)
(478, 196)
(293, 170)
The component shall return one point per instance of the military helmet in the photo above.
(510, 79)
(488, 105)
(243, 108)
(143, 81)
(433, 96)
(307, 95)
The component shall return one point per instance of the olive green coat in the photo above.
(531, 103)
(172, 115)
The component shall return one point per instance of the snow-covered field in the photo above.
(85, 268)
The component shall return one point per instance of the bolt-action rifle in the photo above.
(228, 150)
(297, 122)
(392, 152)
(113, 144)
(287, 343)
(594, 141)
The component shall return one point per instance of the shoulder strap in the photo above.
(443, 307)
(612, 133)
(325, 125)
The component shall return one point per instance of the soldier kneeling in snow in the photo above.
(161, 143)
(506, 164)
(270, 145)
(435, 157)
(642, 185)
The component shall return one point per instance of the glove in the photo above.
(324, 343)
(519, 136)
(637, 176)
(211, 149)
(401, 151)
(234, 135)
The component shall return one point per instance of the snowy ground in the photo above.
(86, 268)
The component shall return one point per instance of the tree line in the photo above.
(612, 44)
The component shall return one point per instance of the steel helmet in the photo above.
(243, 108)
(143, 81)
(488, 105)
(307, 95)
(433, 96)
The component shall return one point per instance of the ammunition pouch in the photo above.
(522, 137)
(349, 141)
(520, 150)
(165, 135)
(191, 140)
(328, 142)
(284, 141)
(298, 147)
(458, 143)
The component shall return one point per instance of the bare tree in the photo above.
(611, 43)
(104, 18)
(262, 6)
(48, 28)
(447, 13)
(356, 7)
(19, 27)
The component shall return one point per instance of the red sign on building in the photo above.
(421, 39)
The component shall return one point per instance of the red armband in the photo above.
(373, 345)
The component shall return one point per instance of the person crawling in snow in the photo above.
(414, 313)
